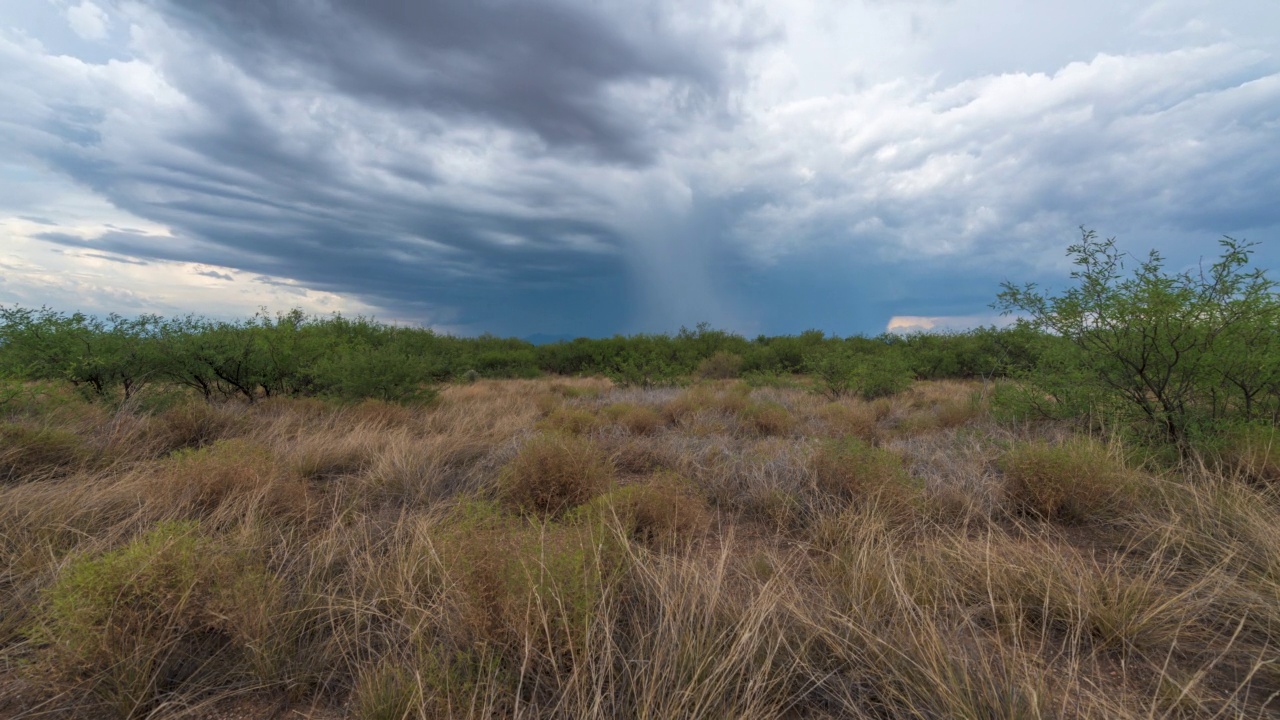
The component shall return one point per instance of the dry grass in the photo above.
(560, 548)
(1077, 481)
(554, 473)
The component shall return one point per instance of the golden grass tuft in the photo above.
(28, 453)
(851, 418)
(553, 473)
(572, 420)
(237, 472)
(1072, 482)
(659, 511)
(703, 399)
(195, 424)
(768, 418)
(637, 419)
(852, 469)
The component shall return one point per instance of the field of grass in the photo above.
(562, 548)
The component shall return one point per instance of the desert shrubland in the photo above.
(568, 547)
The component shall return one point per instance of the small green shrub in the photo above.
(840, 372)
(31, 454)
(555, 472)
(18, 397)
(386, 373)
(882, 375)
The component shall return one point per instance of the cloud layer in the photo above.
(588, 167)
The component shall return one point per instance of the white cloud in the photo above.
(88, 20)
(83, 278)
(908, 170)
(906, 324)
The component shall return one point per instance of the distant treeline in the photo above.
(296, 354)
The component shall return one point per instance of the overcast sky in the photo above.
(586, 167)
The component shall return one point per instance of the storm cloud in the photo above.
(592, 167)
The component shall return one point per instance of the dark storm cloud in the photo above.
(337, 144)
(588, 167)
(558, 69)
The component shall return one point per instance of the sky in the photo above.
(590, 167)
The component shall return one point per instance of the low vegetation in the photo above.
(771, 532)
(475, 558)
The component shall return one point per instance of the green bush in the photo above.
(1249, 451)
(383, 373)
(842, 371)
(1171, 355)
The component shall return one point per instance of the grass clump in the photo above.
(572, 420)
(235, 473)
(663, 511)
(701, 399)
(768, 418)
(1070, 482)
(196, 424)
(852, 468)
(387, 692)
(553, 473)
(35, 453)
(1252, 452)
(849, 419)
(637, 419)
(528, 592)
(136, 624)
